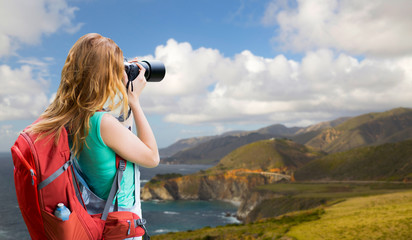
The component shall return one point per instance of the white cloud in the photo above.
(25, 21)
(373, 28)
(22, 93)
(203, 86)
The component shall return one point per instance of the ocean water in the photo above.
(173, 216)
(161, 216)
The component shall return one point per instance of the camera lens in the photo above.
(155, 70)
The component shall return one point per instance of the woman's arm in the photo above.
(141, 149)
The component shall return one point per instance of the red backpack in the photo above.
(43, 176)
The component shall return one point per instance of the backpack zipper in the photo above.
(36, 165)
(34, 153)
(26, 164)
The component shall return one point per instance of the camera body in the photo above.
(155, 70)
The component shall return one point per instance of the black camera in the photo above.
(155, 70)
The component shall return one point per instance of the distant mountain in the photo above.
(322, 125)
(306, 134)
(387, 162)
(333, 136)
(210, 152)
(183, 144)
(365, 130)
(269, 154)
(276, 130)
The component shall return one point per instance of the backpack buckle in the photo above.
(122, 165)
(139, 222)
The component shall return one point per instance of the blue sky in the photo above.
(231, 65)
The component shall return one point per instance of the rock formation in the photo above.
(232, 185)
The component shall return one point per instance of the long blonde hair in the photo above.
(92, 76)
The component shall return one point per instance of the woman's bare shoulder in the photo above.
(109, 126)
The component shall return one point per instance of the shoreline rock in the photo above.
(234, 186)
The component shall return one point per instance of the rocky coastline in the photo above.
(233, 185)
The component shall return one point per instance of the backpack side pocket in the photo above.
(57, 229)
(121, 225)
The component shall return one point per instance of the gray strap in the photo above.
(146, 235)
(115, 188)
(139, 222)
(56, 174)
(136, 183)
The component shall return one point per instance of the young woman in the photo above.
(93, 77)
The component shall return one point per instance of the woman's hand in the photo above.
(141, 149)
(138, 85)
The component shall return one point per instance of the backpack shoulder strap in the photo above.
(115, 187)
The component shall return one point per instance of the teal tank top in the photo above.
(98, 163)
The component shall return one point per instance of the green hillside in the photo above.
(268, 154)
(385, 216)
(375, 217)
(365, 130)
(391, 161)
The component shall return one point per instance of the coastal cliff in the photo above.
(230, 185)
(233, 185)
